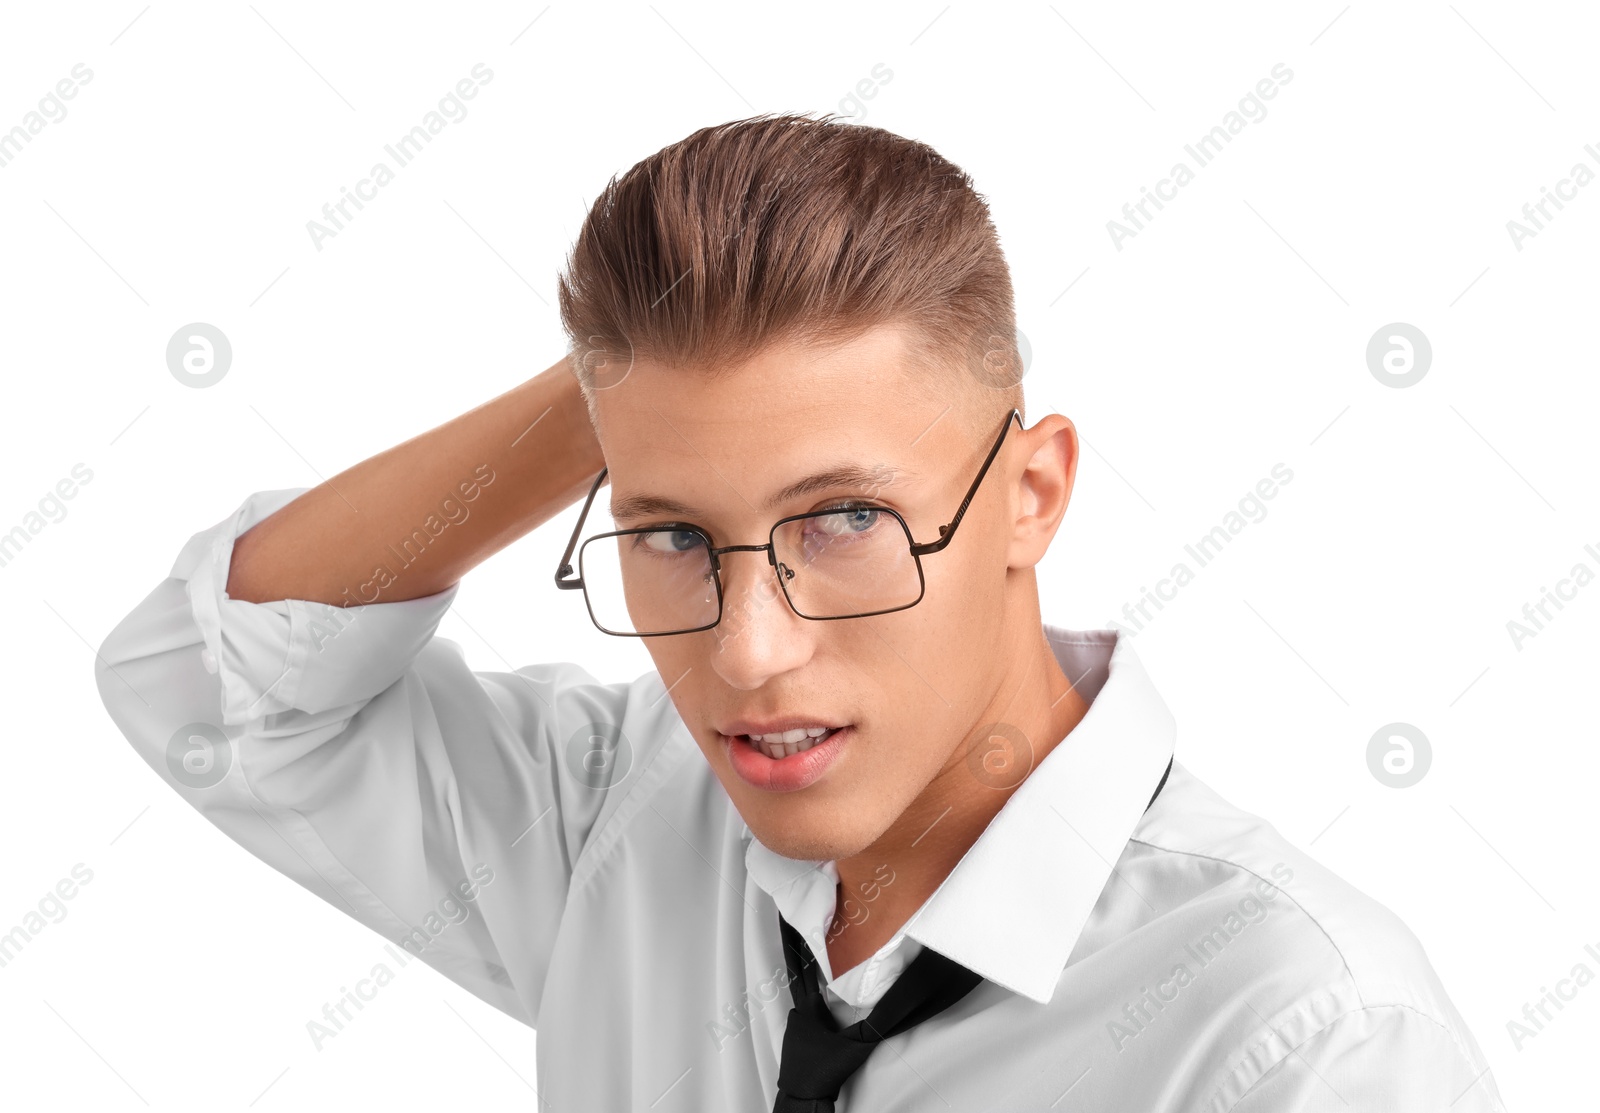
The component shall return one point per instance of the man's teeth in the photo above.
(787, 743)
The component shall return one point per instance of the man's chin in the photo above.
(824, 844)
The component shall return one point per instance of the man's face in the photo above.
(911, 685)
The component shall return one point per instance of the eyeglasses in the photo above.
(852, 560)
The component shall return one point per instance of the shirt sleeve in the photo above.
(1383, 1059)
(353, 750)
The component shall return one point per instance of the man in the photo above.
(867, 796)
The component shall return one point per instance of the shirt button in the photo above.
(209, 660)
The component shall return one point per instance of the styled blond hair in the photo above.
(788, 229)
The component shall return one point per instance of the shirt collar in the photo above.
(1014, 905)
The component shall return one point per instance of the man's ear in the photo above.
(1041, 492)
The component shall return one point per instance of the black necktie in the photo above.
(819, 1056)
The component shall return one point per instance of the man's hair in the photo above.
(786, 229)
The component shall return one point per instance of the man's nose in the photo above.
(760, 635)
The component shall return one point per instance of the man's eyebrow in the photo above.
(875, 478)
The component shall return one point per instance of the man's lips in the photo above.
(791, 772)
(789, 743)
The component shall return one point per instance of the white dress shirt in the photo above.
(620, 905)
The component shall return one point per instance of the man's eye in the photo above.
(665, 541)
(854, 523)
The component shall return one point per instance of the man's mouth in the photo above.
(786, 760)
(787, 743)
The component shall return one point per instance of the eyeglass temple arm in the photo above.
(566, 558)
(947, 532)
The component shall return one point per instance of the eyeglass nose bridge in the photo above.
(783, 570)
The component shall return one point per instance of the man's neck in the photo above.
(880, 888)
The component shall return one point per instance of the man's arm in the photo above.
(348, 747)
(535, 438)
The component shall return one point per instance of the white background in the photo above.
(1229, 335)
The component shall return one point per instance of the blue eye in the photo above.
(674, 540)
(847, 519)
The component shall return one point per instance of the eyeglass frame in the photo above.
(918, 550)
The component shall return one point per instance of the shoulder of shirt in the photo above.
(1322, 951)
